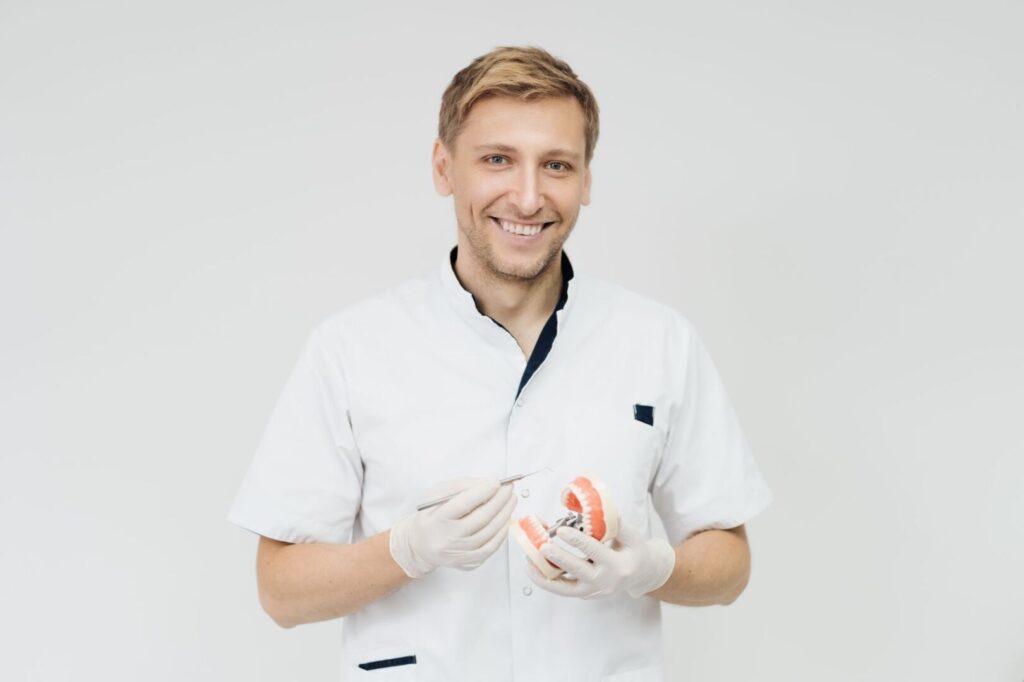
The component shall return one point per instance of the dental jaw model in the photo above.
(591, 512)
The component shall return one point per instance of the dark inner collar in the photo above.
(567, 274)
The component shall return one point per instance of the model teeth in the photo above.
(516, 228)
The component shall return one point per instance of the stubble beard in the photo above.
(493, 265)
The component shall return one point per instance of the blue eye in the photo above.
(494, 156)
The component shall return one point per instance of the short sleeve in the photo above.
(706, 477)
(305, 479)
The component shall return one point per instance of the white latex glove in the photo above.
(461, 533)
(636, 564)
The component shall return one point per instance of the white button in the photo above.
(527, 591)
(519, 403)
(526, 492)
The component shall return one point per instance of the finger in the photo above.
(554, 585)
(495, 542)
(479, 556)
(581, 568)
(586, 544)
(559, 586)
(486, 512)
(468, 500)
(494, 526)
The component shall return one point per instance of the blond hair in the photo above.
(526, 73)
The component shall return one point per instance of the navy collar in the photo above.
(567, 275)
(493, 333)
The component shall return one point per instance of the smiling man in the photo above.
(519, 170)
(502, 361)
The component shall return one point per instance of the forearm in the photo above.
(306, 583)
(712, 567)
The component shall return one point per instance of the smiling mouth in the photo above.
(520, 229)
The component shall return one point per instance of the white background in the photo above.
(832, 192)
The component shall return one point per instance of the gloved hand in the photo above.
(636, 564)
(461, 533)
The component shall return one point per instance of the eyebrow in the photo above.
(567, 153)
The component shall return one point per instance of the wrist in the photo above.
(402, 551)
(661, 557)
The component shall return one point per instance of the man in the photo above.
(504, 361)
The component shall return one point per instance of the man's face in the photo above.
(518, 162)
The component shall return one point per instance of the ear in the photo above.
(585, 198)
(441, 168)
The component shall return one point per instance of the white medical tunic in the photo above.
(414, 385)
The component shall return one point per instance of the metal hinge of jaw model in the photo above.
(591, 512)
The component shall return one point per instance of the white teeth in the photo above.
(516, 228)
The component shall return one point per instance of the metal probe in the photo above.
(504, 481)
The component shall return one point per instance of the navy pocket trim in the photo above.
(388, 663)
(644, 413)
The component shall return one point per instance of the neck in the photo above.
(511, 301)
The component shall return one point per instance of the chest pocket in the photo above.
(388, 664)
(615, 443)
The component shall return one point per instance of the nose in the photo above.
(528, 195)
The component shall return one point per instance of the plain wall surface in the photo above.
(831, 192)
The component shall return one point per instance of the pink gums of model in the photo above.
(593, 513)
